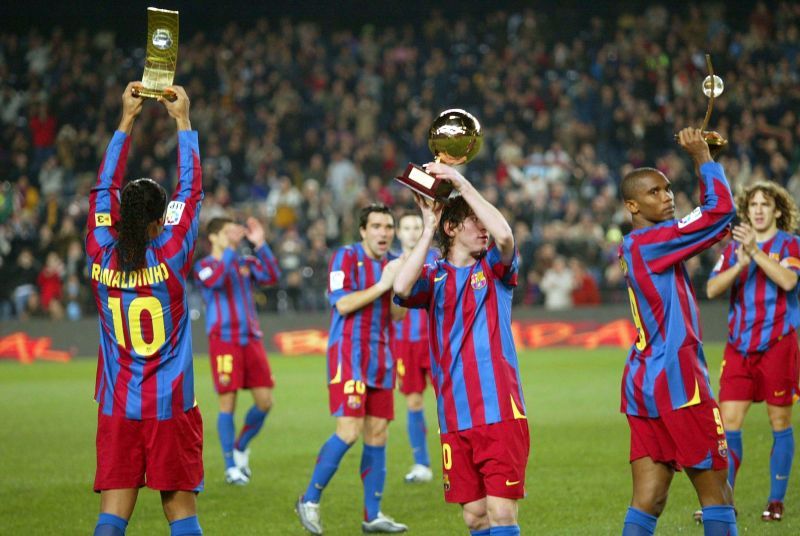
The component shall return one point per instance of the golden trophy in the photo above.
(712, 88)
(455, 138)
(161, 56)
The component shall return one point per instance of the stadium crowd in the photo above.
(301, 125)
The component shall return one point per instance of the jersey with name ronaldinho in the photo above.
(144, 365)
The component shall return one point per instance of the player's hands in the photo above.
(131, 106)
(179, 108)
(692, 141)
(742, 258)
(389, 273)
(746, 236)
(254, 232)
(431, 211)
(231, 236)
(451, 175)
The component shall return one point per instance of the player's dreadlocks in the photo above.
(455, 211)
(143, 202)
(784, 203)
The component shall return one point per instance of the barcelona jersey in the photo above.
(760, 311)
(226, 284)
(144, 365)
(666, 368)
(414, 325)
(358, 342)
(473, 358)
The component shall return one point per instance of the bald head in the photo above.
(633, 183)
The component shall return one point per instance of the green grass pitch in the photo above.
(578, 478)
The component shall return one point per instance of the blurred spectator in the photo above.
(557, 285)
(585, 290)
(51, 292)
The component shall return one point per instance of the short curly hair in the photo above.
(790, 216)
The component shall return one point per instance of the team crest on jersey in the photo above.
(446, 482)
(174, 212)
(353, 401)
(244, 271)
(722, 448)
(224, 379)
(478, 280)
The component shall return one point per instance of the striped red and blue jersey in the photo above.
(144, 367)
(760, 311)
(473, 357)
(227, 287)
(666, 368)
(414, 325)
(358, 342)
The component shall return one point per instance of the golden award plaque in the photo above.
(162, 54)
(455, 138)
(712, 88)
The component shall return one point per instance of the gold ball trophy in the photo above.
(161, 56)
(712, 88)
(455, 138)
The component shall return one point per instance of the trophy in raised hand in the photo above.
(712, 88)
(455, 138)
(161, 56)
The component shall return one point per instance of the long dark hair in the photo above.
(143, 202)
(455, 211)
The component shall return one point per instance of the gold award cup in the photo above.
(712, 88)
(455, 138)
(161, 56)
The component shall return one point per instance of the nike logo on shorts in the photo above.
(779, 393)
(514, 483)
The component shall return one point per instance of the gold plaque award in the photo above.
(162, 54)
(455, 138)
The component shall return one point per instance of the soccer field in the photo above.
(578, 478)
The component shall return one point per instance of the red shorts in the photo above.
(686, 437)
(235, 366)
(485, 460)
(413, 365)
(351, 398)
(770, 376)
(164, 455)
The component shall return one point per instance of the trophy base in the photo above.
(428, 186)
(146, 93)
(716, 143)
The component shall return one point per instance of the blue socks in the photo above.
(110, 525)
(484, 532)
(252, 425)
(719, 521)
(188, 526)
(780, 463)
(373, 476)
(638, 523)
(416, 436)
(735, 451)
(328, 460)
(226, 434)
(506, 530)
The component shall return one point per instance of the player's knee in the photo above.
(414, 402)
(349, 430)
(476, 518)
(653, 503)
(502, 513)
(264, 405)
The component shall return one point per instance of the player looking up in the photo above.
(760, 266)
(238, 359)
(360, 368)
(149, 429)
(481, 409)
(673, 418)
(410, 350)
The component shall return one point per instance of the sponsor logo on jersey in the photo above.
(478, 280)
(692, 217)
(174, 212)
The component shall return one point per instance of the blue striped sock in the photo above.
(110, 525)
(780, 463)
(373, 475)
(328, 460)
(719, 521)
(505, 530)
(735, 452)
(484, 532)
(253, 422)
(416, 436)
(188, 526)
(638, 523)
(226, 432)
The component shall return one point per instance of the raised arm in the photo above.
(494, 221)
(104, 196)
(263, 266)
(412, 267)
